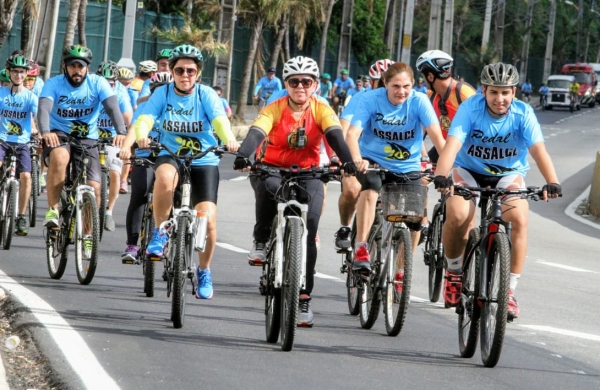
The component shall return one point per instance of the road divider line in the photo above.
(567, 267)
(69, 341)
(564, 332)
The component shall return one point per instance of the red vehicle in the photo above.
(586, 77)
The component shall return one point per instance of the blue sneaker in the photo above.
(157, 243)
(204, 289)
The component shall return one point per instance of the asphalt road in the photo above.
(553, 345)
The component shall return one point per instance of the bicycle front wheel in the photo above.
(352, 288)
(272, 302)
(103, 201)
(148, 265)
(370, 299)
(180, 261)
(35, 191)
(87, 228)
(10, 212)
(57, 252)
(435, 249)
(290, 290)
(494, 310)
(468, 309)
(397, 291)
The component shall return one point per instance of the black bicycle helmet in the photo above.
(186, 51)
(17, 61)
(77, 52)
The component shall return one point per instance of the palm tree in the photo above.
(71, 23)
(189, 34)
(329, 11)
(7, 14)
(29, 14)
(81, 15)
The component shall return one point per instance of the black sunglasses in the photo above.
(190, 71)
(306, 83)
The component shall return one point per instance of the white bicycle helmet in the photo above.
(300, 65)
(379, 67)
(499, 75)
(148, 66)
(436, 61)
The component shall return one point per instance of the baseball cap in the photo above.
(73, 60)
(271, 70)
(344, 71)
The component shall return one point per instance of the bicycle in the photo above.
(543, 101)
(284, 271)
(104, 183)
(182, 229)
(486, 272)
(35, 181)
(433, 253)
(78, 222)
(390, 248)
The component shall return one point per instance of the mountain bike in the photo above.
(284, 272)
(181, 229)
(78, 222)
(35, 181)
(433, 254)
(390, 248)
(486, 273)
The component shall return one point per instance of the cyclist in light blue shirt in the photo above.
(544, 91)
(267, 85)
(341, 86)
(421, 87)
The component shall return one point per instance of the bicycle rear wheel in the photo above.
(468, 310)
(103, 200)
(35, 191)
(370, 298)
(397, 289)
(272, 301)
(290, 290)
(181, 260)
(494, 310)
(87, 228)
(435, 251)
(148, 266)
(10, 212)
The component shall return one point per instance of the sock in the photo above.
(349, 227)
(108, 212)
(454, 265)
(514, 280)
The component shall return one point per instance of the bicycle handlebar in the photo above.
(467, 192)
(216, 149)
(323, 173)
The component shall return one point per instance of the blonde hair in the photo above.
(395, 68)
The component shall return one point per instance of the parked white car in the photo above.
(559, 92)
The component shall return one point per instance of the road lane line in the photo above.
(567, 267)
(79, 356)
(232, 248)
(564, 332)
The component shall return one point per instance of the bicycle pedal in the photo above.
(156, 258)
(127, 261)
(254, 263)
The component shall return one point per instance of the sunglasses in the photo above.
(306, 83)
(179, 71)
(30, 78)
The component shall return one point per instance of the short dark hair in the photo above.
(217, 88)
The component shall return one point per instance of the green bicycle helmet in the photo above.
(186, 51)
(77, 52)
(17, 61)
(4, 77)
(108, 69)
(164, 53)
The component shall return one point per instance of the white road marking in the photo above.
(563, 332)
(232, 248)
(239, 178)
(323, 276)
(70, 342)
(567, 267)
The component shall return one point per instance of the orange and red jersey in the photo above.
(451, 104)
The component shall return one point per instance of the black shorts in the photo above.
(93, 170)
(205, 180)
(23, 157)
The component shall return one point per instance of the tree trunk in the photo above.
(71, 23)
(29, 15)
(81, 22)
(7, 14)
(286, 43)
(279, 40)
(330, 4)
(389, 22)
(243, 96)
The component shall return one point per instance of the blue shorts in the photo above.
(23, 157)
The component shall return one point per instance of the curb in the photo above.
(3, 382)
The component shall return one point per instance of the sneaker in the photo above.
(109, 223)
(258, 254)
(424, 234)
(51, 220)
(123, 189)
(318, 241)
(204, 289)
(305, 315)
(21, 228)
(157, 243)
(513, 307)
(87, 247)
(452, 289)
(361, 260)
(398, 284)
(343, 243)
(130, 254)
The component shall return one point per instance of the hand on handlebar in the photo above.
(242, 164)
(361, 165)
(118, 141)
(442, 183)
(51, 140)
(551, 190)
(143, 143)
(232, 146)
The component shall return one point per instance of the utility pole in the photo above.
(433, 42)
(126, 60)
(579, 28)
(499, 32)
(550, 41)
(107, 29)
(408, 28)
(345, 36)
(400, 30)
(527, 38)
(487, 23)
(52, 40)
(225, 32)
(448, 27)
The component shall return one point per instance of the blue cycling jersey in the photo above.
(15, 115)
(279, 94)
(422, 88)
(185, 122)
(76, 110)
(491, 146)
(544, 90)
(133, 94)
(145, 88)
(37, 87)
(348, 112)
(154, 134)
(392, 135)
(526, 88)
(106, 128)
(343, 85)
(267, 87)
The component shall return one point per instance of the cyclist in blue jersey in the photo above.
(341, 86)
(226, 106)
(142, 177)
(4, 78)
(421, 87)
(125, 77)
(544, 91)
(387, 129)
(326, 87)
(526, 89)
(487, 145)
(18, 106)
(33, 81)
(162, 65)
(147, 70)
(187, 113)
(367, 82)
(70, 104)
(359, 87)
(110, 71)
(267, 85)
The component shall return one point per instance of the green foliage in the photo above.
(367, 31)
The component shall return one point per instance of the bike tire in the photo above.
(290, 289)
(352, 280)
(35, 191)
(469, 310)
(180, 262)
(148, 265)
(494, 312)
(9, 216)
(370, 296)
(104, 182)
(272, 302)
(396, 304)
(435, 249)
(88, 211)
